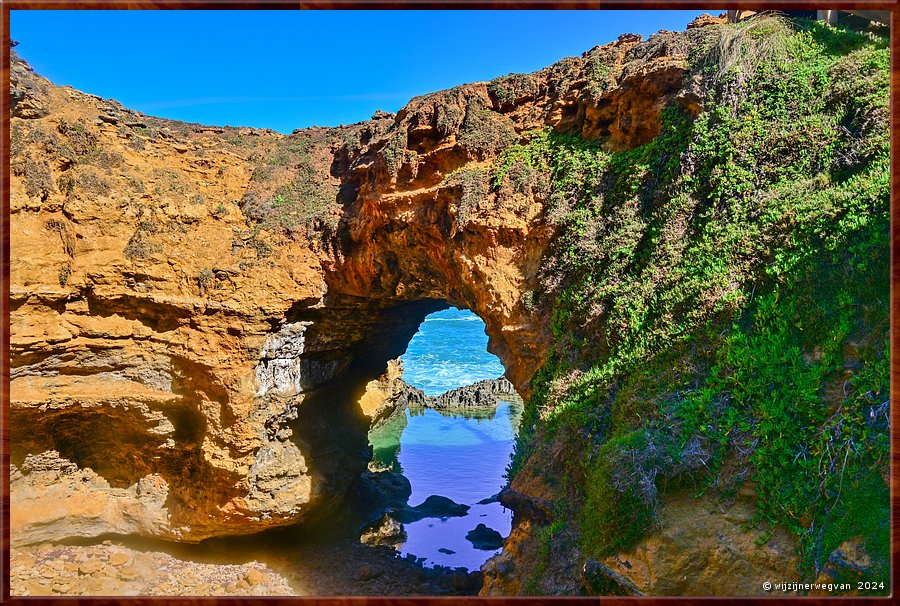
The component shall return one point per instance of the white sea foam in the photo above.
(449, 351)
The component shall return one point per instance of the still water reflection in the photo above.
(459, 456)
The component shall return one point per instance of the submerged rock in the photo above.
(434, 506)
(485, 538)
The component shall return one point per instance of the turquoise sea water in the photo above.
(462, 457)
(449, 351)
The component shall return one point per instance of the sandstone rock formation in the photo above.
(196, 312)
(702, 548)
(389, 395)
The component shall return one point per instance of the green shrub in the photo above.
(473, 188)
(485, 133)
(65, 271)
(38, 178)
(509, 90)
(140, 245)
(65, 183)
(720, 296)
(81, 140)
(88, 181)
(394, 152)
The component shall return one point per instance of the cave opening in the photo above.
(450, 434)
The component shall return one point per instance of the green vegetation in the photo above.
(82, 141)
(140, 245)
(544, 536)
(169, 181)
(38, 178)
(395, 152)
(65, 271)
(89, 181)
(449, 116)
(473, 184)
(291, 191)
(509, 89)
(66, 183)
(721, 297)
(485, 133)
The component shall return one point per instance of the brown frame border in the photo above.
(700, 5)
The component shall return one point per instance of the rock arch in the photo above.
(228, 294)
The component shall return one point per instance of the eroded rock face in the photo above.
(483, 394)
(174, 320)
(702, 548)
(55, 498)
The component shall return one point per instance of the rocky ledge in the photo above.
(483, 394)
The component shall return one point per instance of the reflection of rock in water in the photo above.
(377, 492)
(434, 506)
(478, 400)
(484, 538)
(385, 531)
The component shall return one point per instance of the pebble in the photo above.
(202, 589)
(254, 577)
(90, 567)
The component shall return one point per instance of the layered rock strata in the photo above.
(196, 311)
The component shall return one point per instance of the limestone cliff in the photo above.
(204, 305)
(196, 312)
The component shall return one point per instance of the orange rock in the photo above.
(206, 349)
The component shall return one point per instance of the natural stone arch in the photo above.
(389, 214)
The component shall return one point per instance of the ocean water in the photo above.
(449, 351)
(459, 456)
(462, 458)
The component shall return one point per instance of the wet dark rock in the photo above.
(447, 551)
(434, 506)
(485, 538)
(483, 394)
(463, 582)
(382, 489)
(489, 500)
(536, 509)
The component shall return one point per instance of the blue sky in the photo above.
(291, 69)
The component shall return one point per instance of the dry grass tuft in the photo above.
(743, 46)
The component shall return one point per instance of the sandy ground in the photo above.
(276, 564)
